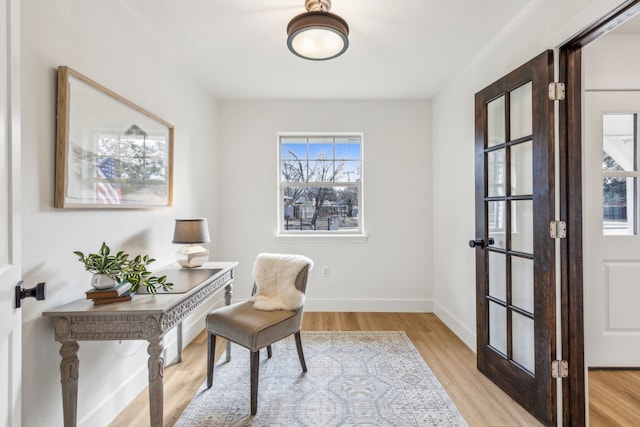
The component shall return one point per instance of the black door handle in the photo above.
(36, 292)
(480, 243)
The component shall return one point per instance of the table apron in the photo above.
(127, 326)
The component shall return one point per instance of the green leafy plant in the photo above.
(121, 268)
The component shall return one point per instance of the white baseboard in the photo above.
(112, 404)
(467, 335)
(369, 305)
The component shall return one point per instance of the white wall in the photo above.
(611, 63)
(418, 219)
(106, 42)
(533, 31)
(392, 271)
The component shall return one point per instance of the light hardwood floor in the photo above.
(479, 400)
(614, 398)
(481, 403)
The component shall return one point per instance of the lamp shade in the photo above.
(192, 230)
(318, 35)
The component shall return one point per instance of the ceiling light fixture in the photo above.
(317, 34)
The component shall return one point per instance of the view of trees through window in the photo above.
(321, 183)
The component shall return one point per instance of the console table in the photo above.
(145, 317)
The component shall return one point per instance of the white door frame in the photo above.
(10, 263)
(570, 132)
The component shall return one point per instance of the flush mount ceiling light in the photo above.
(317, 34)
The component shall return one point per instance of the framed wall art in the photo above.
(110, 153)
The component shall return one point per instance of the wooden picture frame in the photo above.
(110, 153)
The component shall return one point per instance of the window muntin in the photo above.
(320, 184)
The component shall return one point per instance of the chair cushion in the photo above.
(251, 328)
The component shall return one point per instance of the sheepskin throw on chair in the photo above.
(275, 278)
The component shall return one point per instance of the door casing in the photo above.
(570, 188)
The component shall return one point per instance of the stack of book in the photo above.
(117, 293)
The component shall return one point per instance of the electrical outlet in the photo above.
(326, 272)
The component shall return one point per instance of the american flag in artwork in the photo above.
(106, 192)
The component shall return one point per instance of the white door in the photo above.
(611, 229)
(10, 268)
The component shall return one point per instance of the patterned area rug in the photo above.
(353, 379)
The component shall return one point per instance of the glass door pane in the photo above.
(497, 276)
(522, 283)
(496, 215)
(521, 112)
(521, 169)
(522, 226)
(523, 341)
(495, 122)
(498, 327)
(495, 173)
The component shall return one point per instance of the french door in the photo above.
(515, 255)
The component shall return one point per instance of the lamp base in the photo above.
(192, 256)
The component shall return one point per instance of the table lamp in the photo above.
(191, 232)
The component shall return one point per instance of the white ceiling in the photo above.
(399, 49)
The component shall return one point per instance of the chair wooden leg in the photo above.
(300, 353)
(269, 353)
(211, 355)
(255, 364)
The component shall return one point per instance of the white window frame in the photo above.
(312, 235)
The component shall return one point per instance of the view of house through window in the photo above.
(619, 174)
(320, 187)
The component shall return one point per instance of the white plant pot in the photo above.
(102, 281)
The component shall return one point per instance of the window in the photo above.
(619, 174)
(320, 184)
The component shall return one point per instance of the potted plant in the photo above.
(110, 269)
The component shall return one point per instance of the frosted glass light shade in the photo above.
(318, 35)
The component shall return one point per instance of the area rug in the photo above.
(353, 379)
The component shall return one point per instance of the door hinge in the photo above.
(558, 229)
(559, 369)
(556, 91)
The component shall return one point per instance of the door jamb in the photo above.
(571, 273)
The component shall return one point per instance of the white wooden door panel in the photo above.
(10, 268)
(611, 257)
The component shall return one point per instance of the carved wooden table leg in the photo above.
(69, 379)
(156, 373)
(228, 293)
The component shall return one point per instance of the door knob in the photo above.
(36, 292)
(480, 243)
